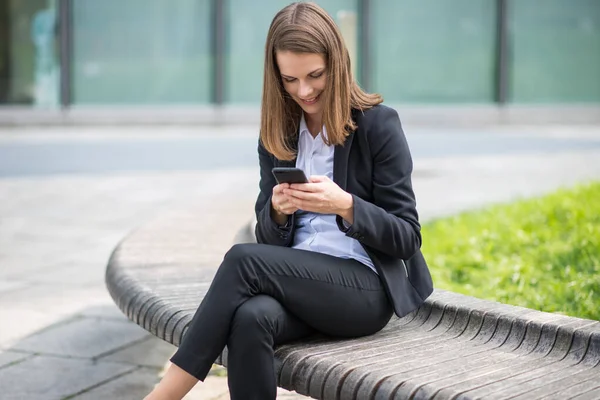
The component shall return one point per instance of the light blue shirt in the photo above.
(319, 232)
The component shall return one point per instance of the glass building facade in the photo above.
(62, 53)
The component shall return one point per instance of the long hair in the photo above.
(307, 28)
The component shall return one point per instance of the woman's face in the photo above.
(304, 78)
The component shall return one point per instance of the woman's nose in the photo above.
(304, 90)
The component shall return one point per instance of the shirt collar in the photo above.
(304, 129)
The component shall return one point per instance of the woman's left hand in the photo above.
(321, 195)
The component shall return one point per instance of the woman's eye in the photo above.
(289, 80)
(317, 76)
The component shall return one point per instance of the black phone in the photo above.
(289, 175)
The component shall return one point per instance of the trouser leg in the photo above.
(335, 296)
(258, 324)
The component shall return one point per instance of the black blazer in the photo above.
(375, 166)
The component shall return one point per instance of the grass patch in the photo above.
(541, 253)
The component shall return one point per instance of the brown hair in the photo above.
(307, 28)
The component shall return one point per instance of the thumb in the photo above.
(318, 178)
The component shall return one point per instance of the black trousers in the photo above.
(265, 295)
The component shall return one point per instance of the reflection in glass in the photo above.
(29, 62)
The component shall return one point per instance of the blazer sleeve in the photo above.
(390, 224)
(268, 231)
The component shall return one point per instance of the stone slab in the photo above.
(54, 378)
(39, 306)
(18, 261)
(134, 385)
(75, 273)
(29, 320)
(109, 310)
(8, 357)
(8, 285)
(83, 337)
(151, 352)
(59, 299)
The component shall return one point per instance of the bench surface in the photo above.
(453, 347)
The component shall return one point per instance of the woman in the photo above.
(337, 255)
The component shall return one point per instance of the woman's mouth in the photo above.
(310, 101)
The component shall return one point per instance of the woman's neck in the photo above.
(313, 123)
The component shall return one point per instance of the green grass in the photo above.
(541, 253)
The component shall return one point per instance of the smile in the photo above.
(311, 101)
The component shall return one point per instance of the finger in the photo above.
(284, 200)
(288, 208)
(297, 194)
(296, 203)
(306, 187)
(279, 188)
(305, 205)
(280, 200)
(318, 178)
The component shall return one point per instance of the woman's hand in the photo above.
(281, 202)
(321, 195)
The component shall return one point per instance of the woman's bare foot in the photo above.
(173, 386)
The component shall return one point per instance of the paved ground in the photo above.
(66, 199)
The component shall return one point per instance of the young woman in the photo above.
(338, 255)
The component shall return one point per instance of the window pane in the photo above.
(141, 51)
(434, 50)
(556, 51)
(248, 23)
(29, 53)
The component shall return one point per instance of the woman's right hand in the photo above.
(281, 202)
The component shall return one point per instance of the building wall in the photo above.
(161, 52)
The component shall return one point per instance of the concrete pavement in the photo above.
(62, 337)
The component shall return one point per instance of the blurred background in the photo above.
(202, 55)
(116, 112)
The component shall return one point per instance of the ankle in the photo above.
(174, 385)
(158, 394)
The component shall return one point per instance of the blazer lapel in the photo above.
(340, 158)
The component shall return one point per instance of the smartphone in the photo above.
(289, 175)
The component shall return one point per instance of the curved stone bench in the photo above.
(453, 347)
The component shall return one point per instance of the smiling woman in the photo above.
(338, 255)
(308, 66)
